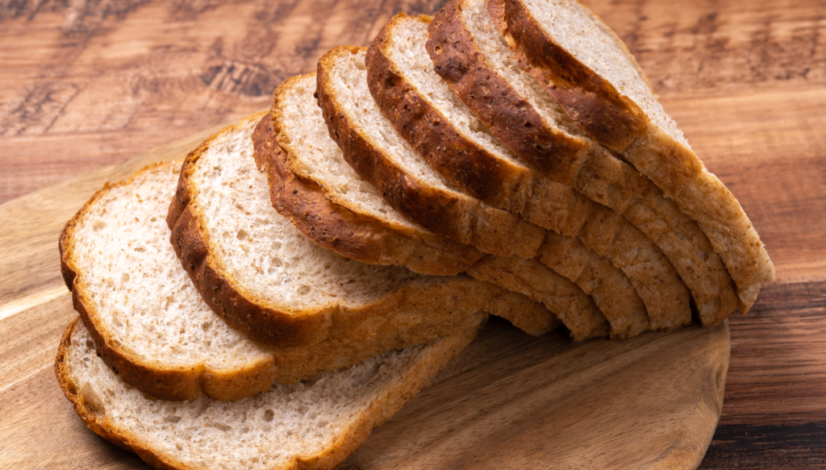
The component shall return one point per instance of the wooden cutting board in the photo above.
(510, 401)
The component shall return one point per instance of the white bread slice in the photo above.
(312, 185)
(473, 56)
(425, 111)
(308, 425)
(590, 71)
(259, 273)
(367, 229)
(379, 155)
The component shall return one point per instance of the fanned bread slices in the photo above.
(267, 280)
(153, 328)
(471, 54)
(312, 185)
(425, 111)
(589, 70)
(312, 425)
(382, 157)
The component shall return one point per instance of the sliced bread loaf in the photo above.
(311, 425)
(259, 273)
(425, 111)
(312, 185)
(153, 328)
(471, 54)
(589, 70)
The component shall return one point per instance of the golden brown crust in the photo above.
(447, 213)
(386, 405)
(620, 124)
(171, 383)
(351, 234)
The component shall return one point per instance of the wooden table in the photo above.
(88, 85)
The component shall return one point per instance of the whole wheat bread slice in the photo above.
(472, 55)
(425, 111)
(312, 425)
(153, 328)
(312, 185)
(259, 273)
(382, 157)
(589, 70)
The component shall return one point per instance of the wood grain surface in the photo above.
(84, 84)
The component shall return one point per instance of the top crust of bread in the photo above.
(278, 323)
(647, 138)
(160, 432)
(455, 45)
(437, 208)
(349, 231)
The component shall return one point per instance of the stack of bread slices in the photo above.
(304, 273)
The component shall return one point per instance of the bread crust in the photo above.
(601, 177)
(387, 404)
(447, 213)
(283, 326)
(519, 189)
(335, 227)
(620, 124)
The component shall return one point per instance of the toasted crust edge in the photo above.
(169, 383)
(444, 213)
(390, 402)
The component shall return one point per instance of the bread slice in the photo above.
(381, 157)
(588, 69)
(259, 273)
(309, 425)
(312, 185)
(368, 141)
(472, 56)
(425, 111)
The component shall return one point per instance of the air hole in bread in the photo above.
(269, 415)
(242, 235)
(304, 290)
(99, 225)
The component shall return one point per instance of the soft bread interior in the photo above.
(136, 286)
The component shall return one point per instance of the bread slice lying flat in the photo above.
(425, 111)
(312, 185)
(267, 280)
(310, 425)
(471, 54)
(153, 328)
(589, 70)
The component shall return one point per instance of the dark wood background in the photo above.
(86, 83)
